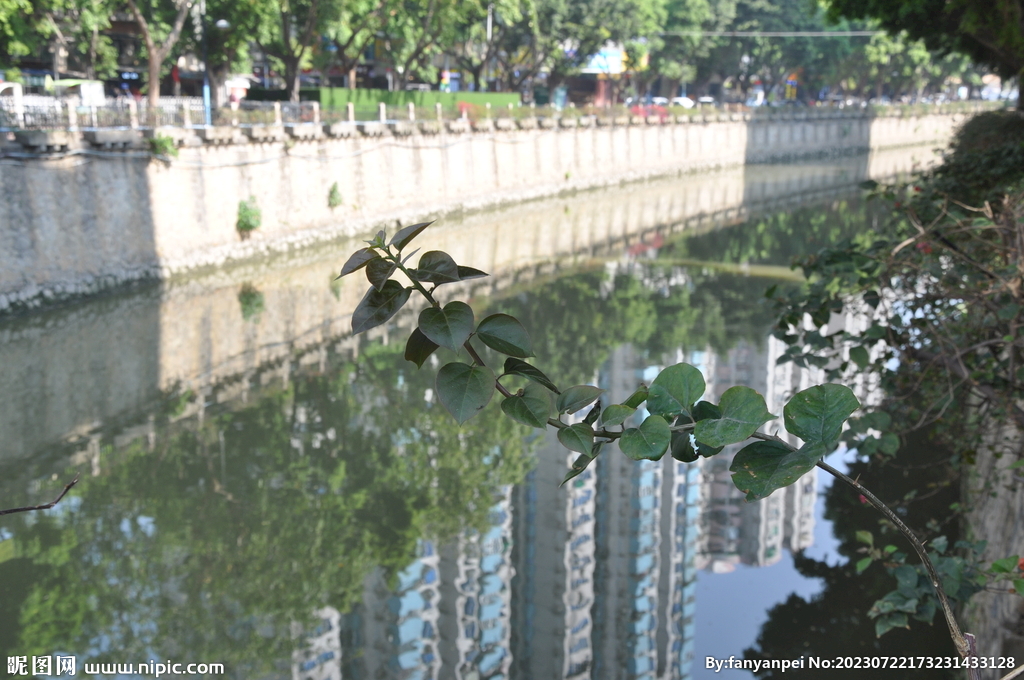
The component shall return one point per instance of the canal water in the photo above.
(262, 490)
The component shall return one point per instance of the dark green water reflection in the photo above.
(330, 520)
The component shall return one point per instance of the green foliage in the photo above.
(251, 301)
(530, 406)
(936, 283)
(505, 334)
(464, 389)
(249, 216)
(449, 326)
(578, 437)
(675, 390)
(647, 442)
(165, 146)
(743, 411)
(334, 197)
(574, 398)
(762, 467)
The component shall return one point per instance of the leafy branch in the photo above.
(678, 422)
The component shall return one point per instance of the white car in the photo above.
(685, 102)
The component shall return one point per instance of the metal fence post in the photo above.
(351, 112)
(186, 117)
(133, 114)
(440, 115)
(487, 105)
(316, 113)
(382, 112)
(412, 111)
(277, 113)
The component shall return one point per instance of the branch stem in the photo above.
(45, 506)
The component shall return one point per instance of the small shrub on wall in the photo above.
(249, 217)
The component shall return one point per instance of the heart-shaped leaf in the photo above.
(515, 366)
(406, 234)
(531, 408)
(705, 410)
(436, 267)
(419, 348)
(649, 441)
(743, 411)
(578, 437)
(616, 414)
(449, 327)
(505, 334)
(378, 271)
(675, 390)
(467, 273)
(464, 389)
(817, 414)
(377, 306)
(357, 260)
(762, 467)
(581, 463)
(576, 397)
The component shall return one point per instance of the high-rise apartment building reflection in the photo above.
(595, 578)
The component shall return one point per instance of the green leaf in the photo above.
(939, 544)
(865, 537)
(578, 437)
(817, 414)
(377, 306)
(616, 414)
(682, 448)
(464, 389)
(519, 367)
(705, 410)
(406, 234)
(762, 467)
(883, 624)
(863, 564)
(649, 441)
(419, 348)
(576, 397)
(1018, 464)
(378, 271)
(859, 356)
(593, 414)
(675, 390)
(467, 273)
(637, 398)
(357, 260)
(1018, 585)
(532, 407)
(436, 267)
(581, 463)
(505, 334)
(449, 327)
(743, 411)
(889, 443)
(1006, 565)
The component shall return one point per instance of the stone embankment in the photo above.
(79, 215)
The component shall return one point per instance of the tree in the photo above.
(160, 31)
(991, 32)
(288, 30)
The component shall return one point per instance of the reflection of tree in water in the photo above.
(834, 622)
(211, 544)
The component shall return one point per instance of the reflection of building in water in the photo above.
(647, 534)
(555, 558)
(395, 629)
(320, 658)
(753, 533)
(476, 596)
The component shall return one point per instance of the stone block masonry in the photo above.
(76, 222)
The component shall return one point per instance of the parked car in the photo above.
(685, 102)
(706, 100)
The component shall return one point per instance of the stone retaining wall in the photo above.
(74, 222)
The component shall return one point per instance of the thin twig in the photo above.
(954, 630)
(1015, 673)
(45, 506)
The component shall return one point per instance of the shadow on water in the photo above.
(263, 491)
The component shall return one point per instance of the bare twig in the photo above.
(45, 506)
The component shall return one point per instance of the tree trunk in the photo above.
(292, 71)
(153, 97)
(1020, 82)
